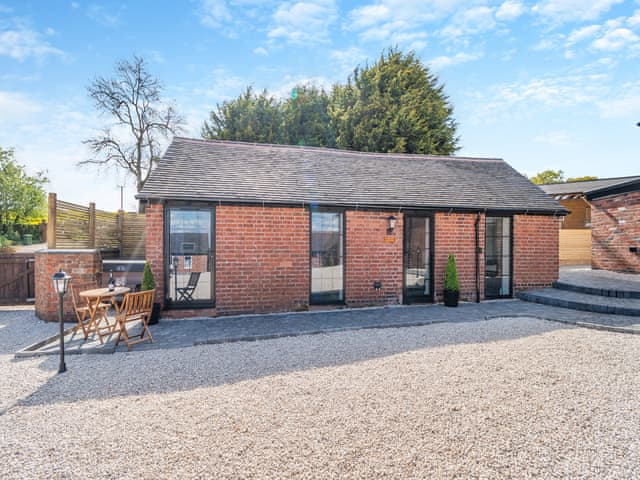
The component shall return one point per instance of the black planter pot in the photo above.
(451, 298)
(155, 314)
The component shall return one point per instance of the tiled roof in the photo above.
(242, 172)
(585, 187)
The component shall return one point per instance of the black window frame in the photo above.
(343, 212)
(510, 295)
(172, 304)
(432, 220)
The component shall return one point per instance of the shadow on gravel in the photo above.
(182, 369)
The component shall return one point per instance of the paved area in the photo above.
(586, 277)
(583, 301)
(180, 333)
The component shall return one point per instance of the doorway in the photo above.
(417, 251)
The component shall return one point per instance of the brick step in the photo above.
(583, 301)
(603, 292)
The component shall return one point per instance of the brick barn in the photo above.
(615, 226)
(236, 228)
(603, 224)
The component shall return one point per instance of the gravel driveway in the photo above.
(499, 398)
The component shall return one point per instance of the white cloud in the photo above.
(546, 94)
(385, 20)
(348, 59)
(616, 39)
(289, 81)
(634, 20)
(470, 21)
(557, 11)
(626, 105)
(215, 13)
(106, 17)
(15, 105)
(510, 10)
(303, 22)
(557, 139)
(20, 43)
(261, 51)
(444, 61)
(582, 34)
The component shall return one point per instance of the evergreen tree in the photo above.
(395, 105)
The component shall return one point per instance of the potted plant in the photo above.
(149, 283)
(451, 283)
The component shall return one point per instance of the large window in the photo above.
(417, 259)
(190, 257)
(497, 268)
(327, 257)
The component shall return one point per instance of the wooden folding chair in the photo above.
(82, 313)
(135, 307)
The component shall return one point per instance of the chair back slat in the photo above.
(138, 303)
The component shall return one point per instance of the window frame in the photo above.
(510, 295)
(171, 304)
(343, 225)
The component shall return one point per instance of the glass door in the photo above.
(497, 266)
(327, 257)
(190, 257)
(417, 259)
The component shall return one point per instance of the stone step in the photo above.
(583, 301)
(592, 290)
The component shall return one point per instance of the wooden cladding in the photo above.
(74, 226)
(575, 247)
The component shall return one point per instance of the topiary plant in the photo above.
(148, 282)
(451, 282)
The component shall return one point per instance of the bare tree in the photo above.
(141, 120)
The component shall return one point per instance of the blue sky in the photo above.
(540, 83)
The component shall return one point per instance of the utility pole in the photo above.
(121, 187)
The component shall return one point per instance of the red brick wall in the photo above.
(262, 259)
(615, 228)
(154, 235)
(262, 256)
(373, 254)
(81, 265)
(455, 233)
(535, 251)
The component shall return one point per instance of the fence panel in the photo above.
(133, 236)
(17, 283)
(75, 226)
(72, 225)
(107, 235)
(575, 247)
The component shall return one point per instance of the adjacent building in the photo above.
(603, 225)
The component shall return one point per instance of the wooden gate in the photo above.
(16, 278)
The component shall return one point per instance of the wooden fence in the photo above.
(575, 247)
(74, 226)
(16, 278)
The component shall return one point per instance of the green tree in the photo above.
(249, 118)
(22, 196)
(581, 179)
(548, 176)
(306, 120)
(395, 105)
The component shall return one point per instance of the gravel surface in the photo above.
(500, 398)
(18, 379)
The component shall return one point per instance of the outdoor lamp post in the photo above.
(60, 282)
